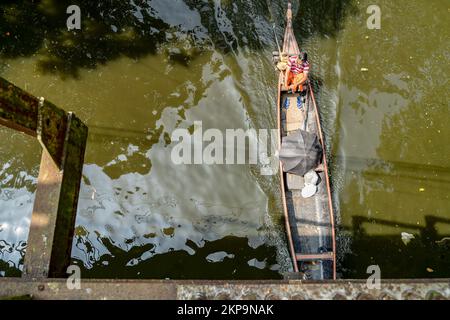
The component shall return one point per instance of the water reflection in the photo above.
(152, 211)
(393, 164)
(15, 219)
(376, 224)
(19, 162)
(151, 226)
(137, 71)
(133, 29)
(140, 69)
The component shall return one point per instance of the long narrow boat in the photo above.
(309, 221)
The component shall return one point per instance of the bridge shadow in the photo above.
(425, 256)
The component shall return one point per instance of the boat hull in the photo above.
(310, 227)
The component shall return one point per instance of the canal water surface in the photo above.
(137, 70)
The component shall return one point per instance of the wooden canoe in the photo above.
(309, 221)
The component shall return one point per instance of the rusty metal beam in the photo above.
(43, 219)
(18, 109)
(52, 130)
(73, 159)
(37, 117)
(63, 137)
(55, 207)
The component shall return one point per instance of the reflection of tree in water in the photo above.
(28, 27)
(111, 29)
(322, 17)
(114, 28)
(417, 133)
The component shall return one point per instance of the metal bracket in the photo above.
(63, 137)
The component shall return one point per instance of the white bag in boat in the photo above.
(311, 177)
(309, 190)
(311, 180)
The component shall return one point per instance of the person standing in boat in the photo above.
(297, 72)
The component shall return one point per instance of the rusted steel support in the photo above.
(23, 112)
(73, 159)
(18, 110)
(43, 219)
(63, 137)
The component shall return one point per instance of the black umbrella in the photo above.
(300, 152)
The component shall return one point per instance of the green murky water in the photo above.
(140, 69)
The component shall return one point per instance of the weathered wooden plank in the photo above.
(295, 118)
(312, 257)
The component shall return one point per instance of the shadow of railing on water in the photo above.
(425, 256)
